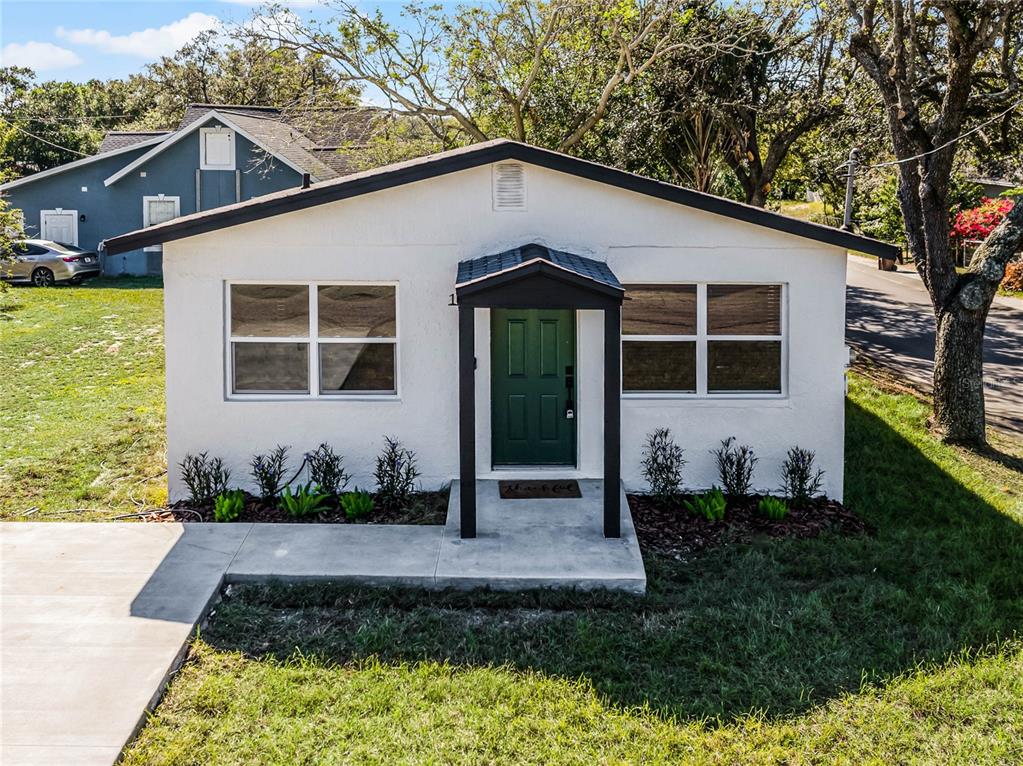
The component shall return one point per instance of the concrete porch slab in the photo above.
(555, 543)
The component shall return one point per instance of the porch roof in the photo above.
(476, 270)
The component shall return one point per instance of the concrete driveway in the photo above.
(888, 316)
(93, 617)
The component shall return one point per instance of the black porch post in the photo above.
(467, 420)
(612, 422)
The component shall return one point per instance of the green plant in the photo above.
(800, 482)
(396, 473)
(710, 505)
(326, 469)
(268, 471)
(735, 467)
(773, 508)
(662, 465)
(357, 504)
(229, 505)
(205, 477)
(305, 501)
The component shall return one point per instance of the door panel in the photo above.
(532, 356)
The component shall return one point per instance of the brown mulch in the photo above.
(425, 508)
(674, 531)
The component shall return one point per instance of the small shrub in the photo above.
(1013, 279)
(396, 474)
(773, 508)
(205, 477)
(710, 505)
(305, 501)
(268, 471)
(326, 469)
(735, 467)
(800, 482)
(662, 465)
(357, 504)
(228, 505)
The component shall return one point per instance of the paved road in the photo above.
(888, 316)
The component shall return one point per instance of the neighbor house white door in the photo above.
(59, 226)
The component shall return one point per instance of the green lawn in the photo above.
(895, 647)
(81, 425)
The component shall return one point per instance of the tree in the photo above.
(786, 86)
(940, 66)
(543, 73)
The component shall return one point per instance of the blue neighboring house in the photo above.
(217, 155)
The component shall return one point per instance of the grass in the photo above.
(82, 421)
(895, 647)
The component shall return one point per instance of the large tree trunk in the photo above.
(959, 376)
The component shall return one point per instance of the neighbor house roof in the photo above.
(477, 269)
(474, 156)
(119, 139)
(102, 155)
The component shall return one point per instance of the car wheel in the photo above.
(43, 278)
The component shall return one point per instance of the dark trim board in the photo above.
(474, 156)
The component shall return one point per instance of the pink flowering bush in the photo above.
(976, 223)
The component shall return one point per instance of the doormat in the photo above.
(538, 490)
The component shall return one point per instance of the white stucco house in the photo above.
(505, 311)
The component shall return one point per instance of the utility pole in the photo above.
(854, 158)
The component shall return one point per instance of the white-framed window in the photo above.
(325, 340)
(216, 148)
(159, 209)
(704, 339)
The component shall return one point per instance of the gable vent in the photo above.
(509, 186)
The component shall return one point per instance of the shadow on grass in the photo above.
(778, 626)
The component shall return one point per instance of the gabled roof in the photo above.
(476, 270)
(233, 121)
(102, 155)
(118, 139)
(473, 156)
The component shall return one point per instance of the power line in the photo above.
(945, 145)
(45, 141)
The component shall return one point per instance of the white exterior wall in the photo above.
(415, 235)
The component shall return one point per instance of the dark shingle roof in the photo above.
(119, 139)
(479, 268)
(195, 111)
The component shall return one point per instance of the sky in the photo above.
(84, 39)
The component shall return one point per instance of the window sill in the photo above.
(710, 399)
(310, 398)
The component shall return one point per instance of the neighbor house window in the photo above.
(313, 339)
(216, 149)
(159, 209)
(705, 339)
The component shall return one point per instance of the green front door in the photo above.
(533, 386)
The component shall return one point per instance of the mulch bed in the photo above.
(674, 531)
(425, 508)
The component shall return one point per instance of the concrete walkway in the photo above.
(94, 617)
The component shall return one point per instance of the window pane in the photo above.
(649, 365)
(270, 311)
(741, 365)
(659, 310)
(744, 309)
(356, 367)
(357, 311)
(271, 367)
